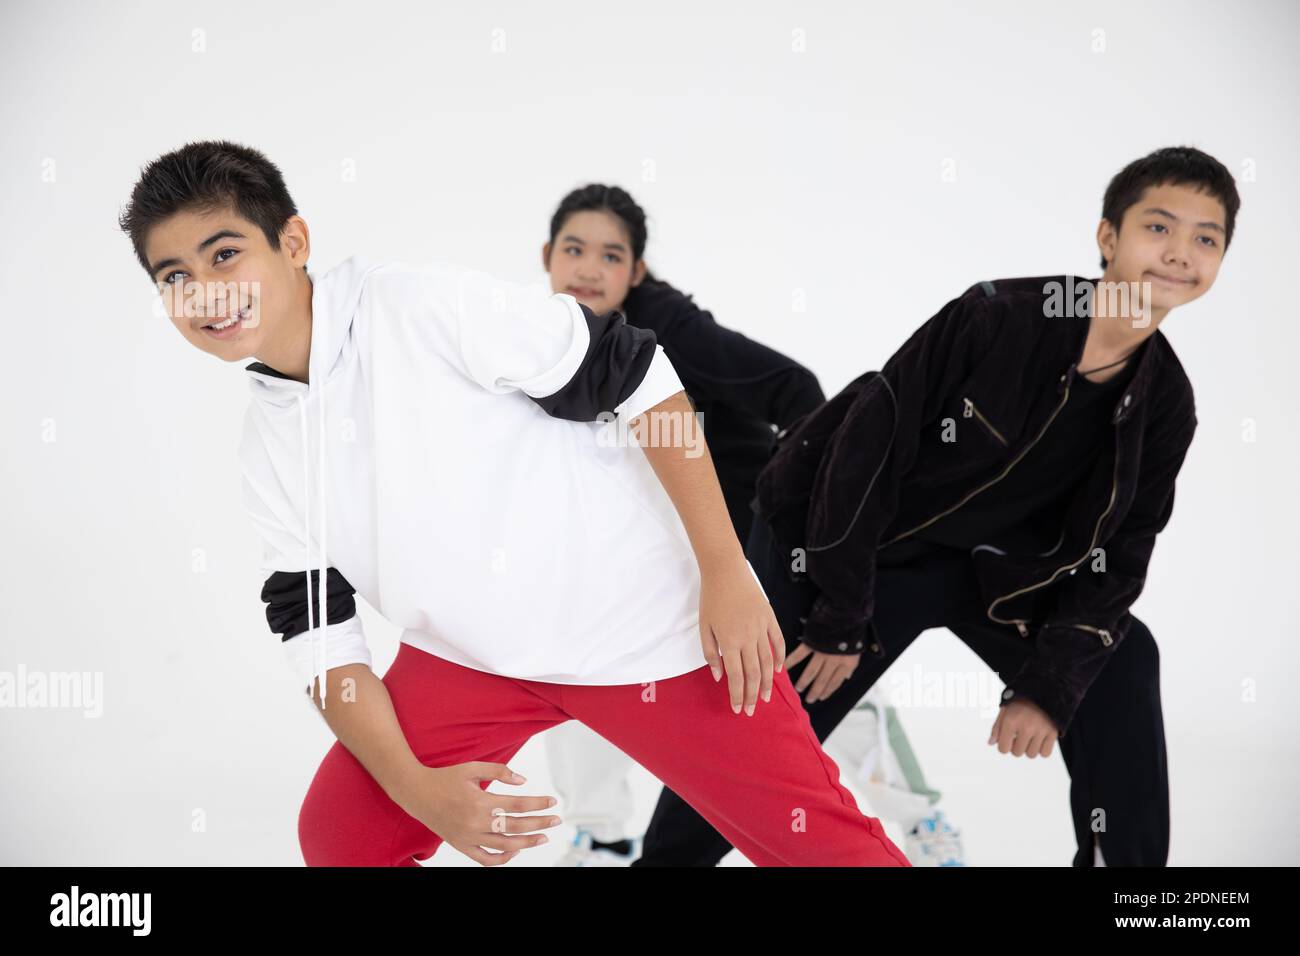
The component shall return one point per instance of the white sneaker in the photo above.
(581, 853)
(860, 748)
(934, 842)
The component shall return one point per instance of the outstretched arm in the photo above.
(738, 629)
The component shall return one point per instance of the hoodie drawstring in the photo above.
(334, 300)
(322, 583)
(317, 634)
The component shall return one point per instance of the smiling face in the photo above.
(212, 266)
(592, 260)
(1173, 238)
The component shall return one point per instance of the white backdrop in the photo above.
(822, 176)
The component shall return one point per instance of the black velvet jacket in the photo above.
(854, 477)
(742, 390)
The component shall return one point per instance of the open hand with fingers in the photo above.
(824, 673)
(451, 803)
(1023, 729)
(739, 633)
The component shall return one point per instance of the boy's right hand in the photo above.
(825, 672)
(450, 802)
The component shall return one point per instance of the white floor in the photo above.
(178, 773)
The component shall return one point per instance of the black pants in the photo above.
(1114, 750)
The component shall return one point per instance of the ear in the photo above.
(296, 237)
(638, 274)
(546, 256)
(1107, 238)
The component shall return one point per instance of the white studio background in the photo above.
(822, 176)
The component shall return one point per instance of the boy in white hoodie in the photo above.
(463, 444)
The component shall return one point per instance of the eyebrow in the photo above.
(1164, 212)
(609, 245)
(223, 234)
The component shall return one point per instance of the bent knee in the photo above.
(346, 819)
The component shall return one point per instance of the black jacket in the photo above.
(855, 477)
(743, 390)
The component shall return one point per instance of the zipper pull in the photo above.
(1020, 626)
(1099, 631)
(968, 408)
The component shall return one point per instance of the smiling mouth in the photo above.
(220, 325)
(1172, 281)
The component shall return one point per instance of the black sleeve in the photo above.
(286, 594)
(863, 465)
(718, 364)
(618, 356)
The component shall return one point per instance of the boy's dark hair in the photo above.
(207, 175)
(612, 199)
(1171, 166)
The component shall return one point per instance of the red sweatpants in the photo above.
(763, 781)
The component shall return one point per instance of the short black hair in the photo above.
(1171, 166)
(207, 175)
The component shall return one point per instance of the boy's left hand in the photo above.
(1023, 729)
(739, 633)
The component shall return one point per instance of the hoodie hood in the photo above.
(334, 298)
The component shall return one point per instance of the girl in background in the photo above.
(744, 393)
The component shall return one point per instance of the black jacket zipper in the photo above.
(988, 484)
(969, 409)
(1022, 624)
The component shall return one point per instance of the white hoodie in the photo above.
(498, 537)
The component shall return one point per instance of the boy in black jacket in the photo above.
(1005, 476)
